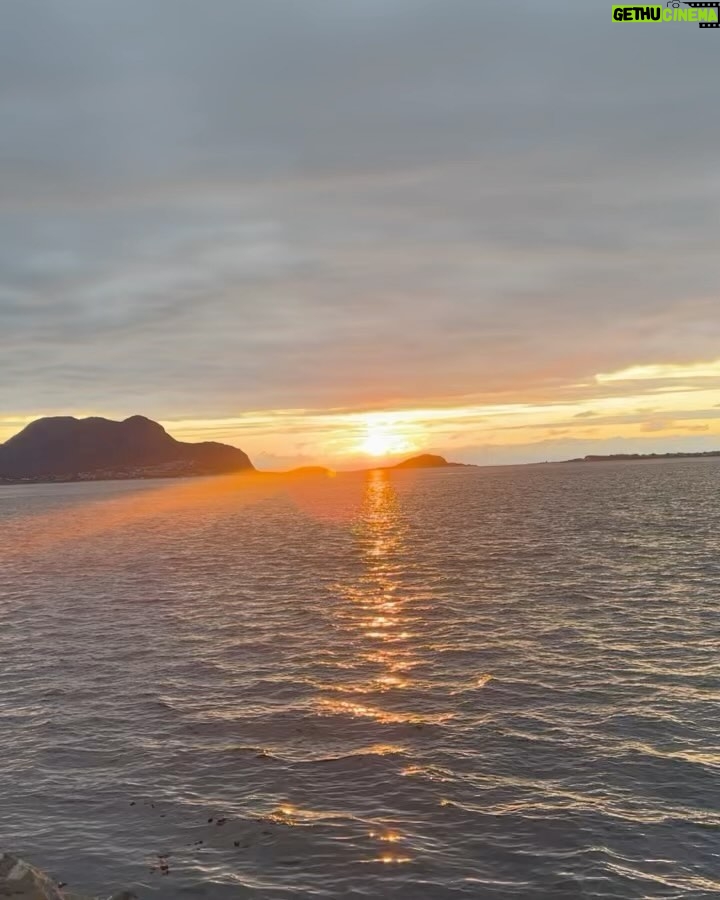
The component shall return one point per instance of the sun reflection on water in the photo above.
(375, 617)
(391, 837)
(380, 627)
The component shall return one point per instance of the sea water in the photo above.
(482, 683)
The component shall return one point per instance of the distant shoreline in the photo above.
(321, 472)
(305, 472)
(642, 457)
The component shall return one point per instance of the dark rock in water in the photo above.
(21, 881)
(63, 447)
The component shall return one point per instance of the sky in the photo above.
(327, 229)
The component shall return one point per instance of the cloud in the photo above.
(654, 425)
(214, 208)
(662, 425)
(663, 372)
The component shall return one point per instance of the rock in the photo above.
(21, 881)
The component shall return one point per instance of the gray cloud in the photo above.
(227, 205)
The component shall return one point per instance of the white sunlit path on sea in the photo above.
(375, 617)
(382, 639)
(470, 683)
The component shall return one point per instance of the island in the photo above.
(639, 457)
(428, 461)
(63, 448)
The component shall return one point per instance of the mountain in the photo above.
(425, 461)
(66, 448)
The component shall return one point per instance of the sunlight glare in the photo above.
(382, 439)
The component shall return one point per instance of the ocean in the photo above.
(483, 683)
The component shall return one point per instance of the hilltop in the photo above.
(426, 461)
(63, 448)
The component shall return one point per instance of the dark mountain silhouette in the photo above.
(63, 447)
(425, 461)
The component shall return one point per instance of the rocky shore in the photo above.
(21, 881)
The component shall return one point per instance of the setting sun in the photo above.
(382, 440)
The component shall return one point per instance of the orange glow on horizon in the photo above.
(382, 438)
(656, 407)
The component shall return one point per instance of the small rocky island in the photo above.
(428, 461)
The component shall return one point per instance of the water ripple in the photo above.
(492, 683)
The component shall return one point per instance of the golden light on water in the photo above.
(377, 612)
(378, 619)
(290, 814)
(364, 711)
(388, 681)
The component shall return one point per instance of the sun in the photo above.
(378, 444)
(383, 440)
